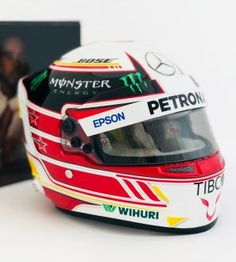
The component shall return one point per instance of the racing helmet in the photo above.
(117, 132)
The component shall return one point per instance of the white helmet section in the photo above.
(116, 58)
(24, 115)
(180, 92)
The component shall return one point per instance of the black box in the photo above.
(25, 47)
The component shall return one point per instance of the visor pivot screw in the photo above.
(68, 126)
(68, 173)
(87, 148)
(75, 142)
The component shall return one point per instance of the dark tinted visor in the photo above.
(173, 138)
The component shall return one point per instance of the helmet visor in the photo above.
(173, 138)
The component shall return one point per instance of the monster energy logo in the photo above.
(38, 80)
(134, 81)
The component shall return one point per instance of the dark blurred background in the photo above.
(43, 41)
(25, 47)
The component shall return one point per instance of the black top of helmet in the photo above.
(52, 89)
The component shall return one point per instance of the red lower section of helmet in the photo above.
(63, 201)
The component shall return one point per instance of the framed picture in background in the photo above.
(25, 47)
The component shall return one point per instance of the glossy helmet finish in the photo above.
(118, 132)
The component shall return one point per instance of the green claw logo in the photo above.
(134, 81)
(109, 208)
(38, 80)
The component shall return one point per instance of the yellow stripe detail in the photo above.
(173, 221)
(159, 193)
(34, 170)
(19, 109)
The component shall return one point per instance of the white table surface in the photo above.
(31, 229)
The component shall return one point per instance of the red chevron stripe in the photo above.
(133, 189)
(148, 191)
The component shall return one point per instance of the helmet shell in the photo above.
(117, 131)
